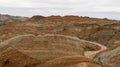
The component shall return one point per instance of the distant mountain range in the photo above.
(4, 17)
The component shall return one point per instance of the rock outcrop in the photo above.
(109, 58)
(43, 48)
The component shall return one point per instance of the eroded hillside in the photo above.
(103, 31)
(55, 41)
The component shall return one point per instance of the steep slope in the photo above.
(11, 57)
(109, 58)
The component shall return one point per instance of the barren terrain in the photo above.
(55, 41)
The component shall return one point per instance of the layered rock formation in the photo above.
(44, 49)
(55, 41)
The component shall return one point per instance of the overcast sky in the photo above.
(92, 8)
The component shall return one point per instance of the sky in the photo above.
(93, 8)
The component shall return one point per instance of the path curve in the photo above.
(91, 54)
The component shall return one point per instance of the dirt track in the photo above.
(91, 54)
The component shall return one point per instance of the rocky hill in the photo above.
(109, 57)
(59, 41)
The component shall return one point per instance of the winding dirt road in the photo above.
(91, 54)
